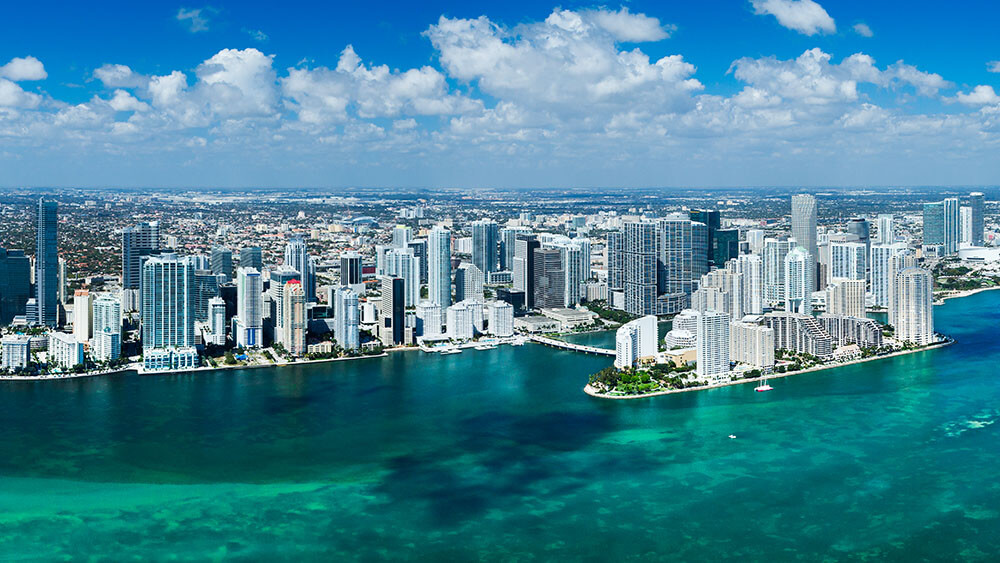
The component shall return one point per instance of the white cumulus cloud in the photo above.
(26, 68)
(993, 66)
(863, 30)
(805, 16)
(979, 96)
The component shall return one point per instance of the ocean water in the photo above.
(498, 455)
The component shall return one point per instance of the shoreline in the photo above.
(965, 293)
(593, 392)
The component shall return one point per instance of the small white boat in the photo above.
(486, 347)
(450, 351)
(732, 436)
(763, 387)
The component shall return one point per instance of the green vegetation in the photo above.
(641, 381)
(614, 315)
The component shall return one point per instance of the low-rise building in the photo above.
(570, 318)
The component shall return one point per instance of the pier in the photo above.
(570, 346)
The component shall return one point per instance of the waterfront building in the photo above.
(639, 263)
(883, 258)
(16, 352)
(683, 331)
(346, 319)
(752, 344)
(635, 342)
(846, 298)
(549, 278)
(217, 321)
(65, 350)
(524, 268)
(350, 269)
(721, 290)
(460, 321)
(899, 261)
(500, 319)
(248, 324)
(508, 243)
(804, 227)
(138, 241)
(83, 314)
(468, 283)
(293, 331)
(681, 260)
(252, 257)
(107, 328)
(429, 321)
(861, 230)
(799, 268)
(799, 333)
(439, 266)
(713, 345)
(298, 258)
(846, 329)
(222, 262)
(848, 260)
(886, 234)
(391, 311)
(575, 271)
(775, 251)
(933, 226)
(914, 297)
(976, 205)
(46, 264)
(168, 339)
(401, 263)
(486, 245)
(278, 278)
(15, 284)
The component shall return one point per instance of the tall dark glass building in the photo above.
(15, 284)
(47, 264)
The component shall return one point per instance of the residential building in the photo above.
(713, 345)
(15, 284)
(47, 264)
(439, 266)
(346, 319)
(65, 350)
(486, 245)
(914, 297)
(500, 321)
(298, 258)
(248, 324)
(635, 342)
(293, 330)
(799, 270)
(752, 344)
(846, 298)
(468, 283)
(167, 312)
(107, 328)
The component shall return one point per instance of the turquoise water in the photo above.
(499, 456)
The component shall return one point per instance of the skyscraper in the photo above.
(401, 263)
(860, 228)
(634, 341)
(886, 234)
(486, 246)
(346, 318)
(799, 282)
(978, 223)
(914, 296)
(401, 236)
(883, 272)
(252, 257)
(391, 311)
(549, 278)
(419, 248)
(681, 261)
(952, 225)
(222, 261)
(107, 328)
(138, 241)
(439, 266)
(751, 268)
(524, 268)
(848, 260)
(217, 321)
(15, 284)
(297, 256)
(248, 324)
(713, 345)
(508, 243)
(350, 268)
(572, 259)
(167, 283)
(47, 264)
(615, 259)
(83, 315)
(468, 283)
(846, 297)
(804, 227)
(293, 331)
(775, 251)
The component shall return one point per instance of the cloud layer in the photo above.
(572, 98)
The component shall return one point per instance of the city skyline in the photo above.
(767, 92)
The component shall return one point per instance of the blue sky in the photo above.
(711, 93)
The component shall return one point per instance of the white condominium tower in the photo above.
(248, 323)
(799, 284)
(848, 260)
(297, 257)
(293, 331)
(885, 264)
(775, 251)
(846, 298)
(914, 300)
(346, 318)
(886, 234)
(752, 344)
(634, 341)
(713, 345)
(439, 266)
(107, 328)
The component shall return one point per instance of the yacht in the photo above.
(763, 387)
